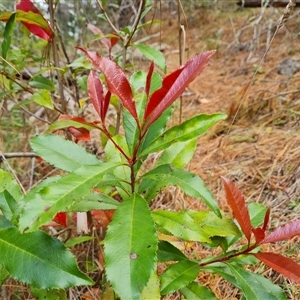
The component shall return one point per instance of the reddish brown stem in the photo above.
(246, 251)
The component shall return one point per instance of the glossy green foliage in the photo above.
(198, 292)
(257, 213)
(194, 226)
(61, 153)
(10, 25)
(252, 285)
(188, 130)
(168, 252)
(7, 182)
(153, 55)
(45, 200)
(3, 274)
(51, 265)
(178, 275)
(130, 248)
(166, 175)
(179, 154)
(152, 289)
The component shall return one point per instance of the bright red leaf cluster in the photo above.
(283, 265)
(173, 84)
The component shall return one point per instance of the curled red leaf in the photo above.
(283, 232)
(80, 134)
(283, 265)
(95, 90)
(148, 80)
(266, 219)
(236, 201)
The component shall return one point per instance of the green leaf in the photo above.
(8, 205)
(27, 17)
(152, 289)
(131, 130)
(195, 291)
(137, 80)
(41, 82)
(4, 223)
(168, 252)
(223, 270)
(256, 287)
(257, 213)
(188, 130)
(49, 295)
(94, 201)
(62, 154)
(213, 225)
(122, 173)
(191, 184)
(7, 182)
(152, 54)
(181, 225)
(130, 248)
(179, 154)
(156, 129)
(43, 202)
(60, 124)
(51, 265)
(3, 275)
(43, 98)
(7, 35)
(78, 240)
(178, 275)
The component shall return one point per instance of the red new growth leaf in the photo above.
(266, 220)
(95, 90)
(113, 40)
(106, 103)
(61, 218)
(80, 134)
(116, 80)
(283, 265)
(259, 234)
(42, 32)
(105, 41)
(174, 85)
(236, 201)
(148, 80)
(284, 232)
(103, 217)
(78, 120)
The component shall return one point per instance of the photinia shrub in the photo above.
(119, 189)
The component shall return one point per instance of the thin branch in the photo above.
(56, 60)
(17, 154)
(3, 159)
(136, 22)
(107, 17)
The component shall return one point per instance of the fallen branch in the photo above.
(18, 154)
